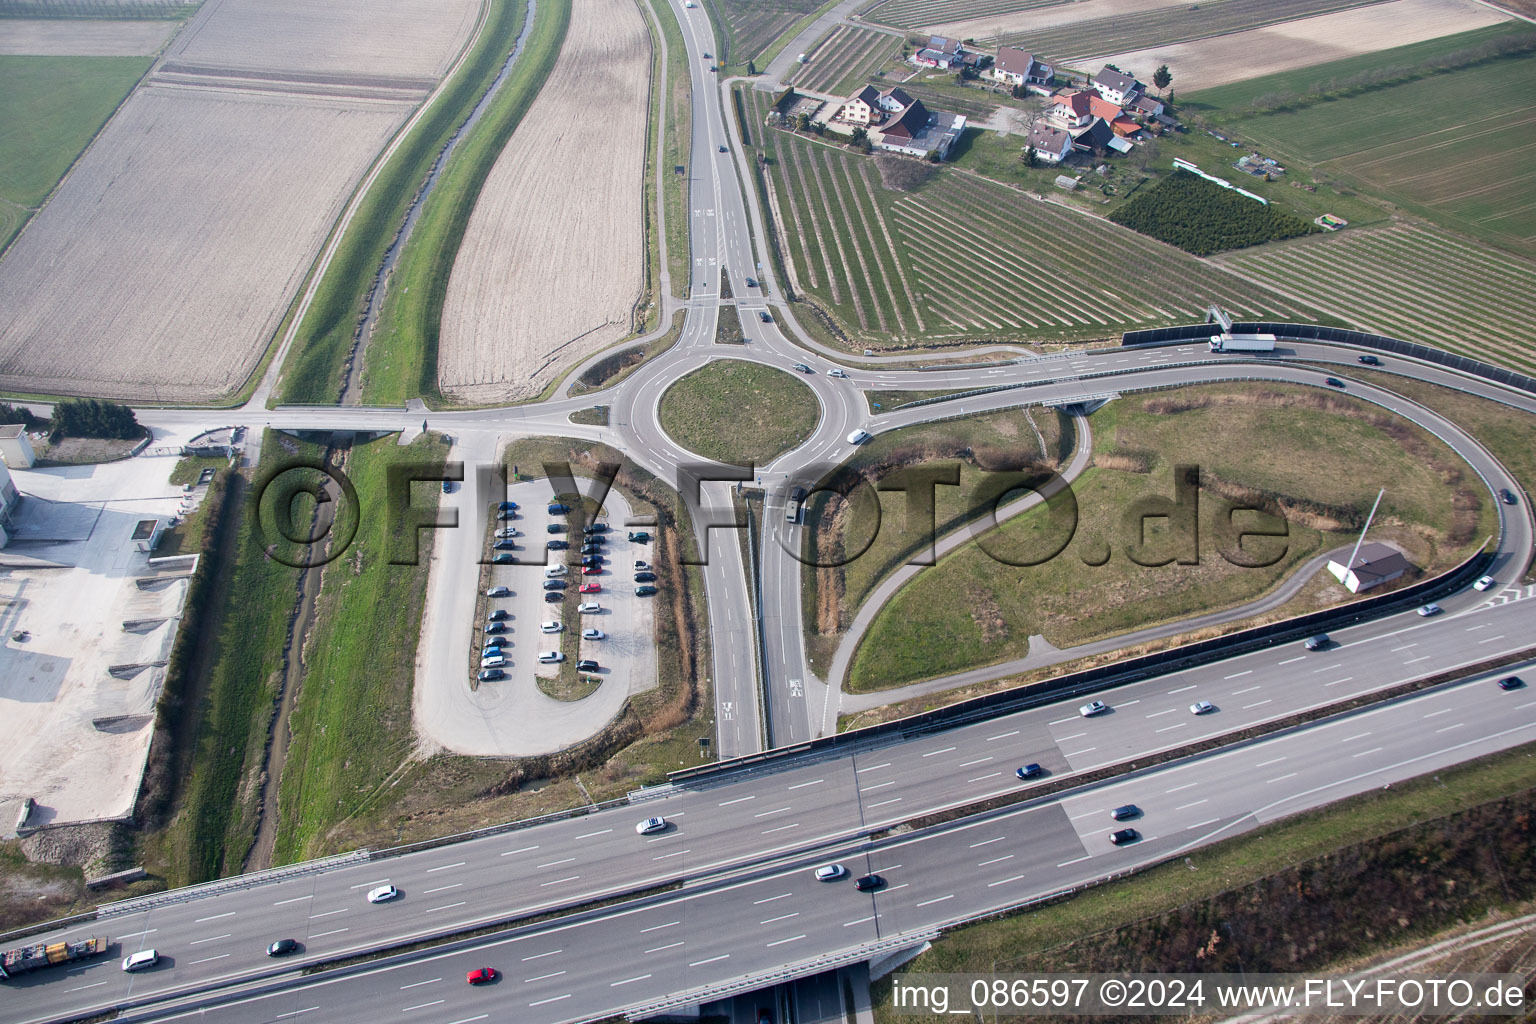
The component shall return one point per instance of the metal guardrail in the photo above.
(194, 892)
(789, 972)
(1118, 674)
(1343, 336)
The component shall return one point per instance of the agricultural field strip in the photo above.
(871, 184)
(837, 236)
(793, 193)
(913, 13)
(886, 262)
(780, 196)
(1383, 306)
(844, 53)
(1398, 259)
(1162, 26)
(1065, 234)
(803, 74)
(821, 221)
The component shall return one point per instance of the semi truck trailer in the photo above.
(1242, 343)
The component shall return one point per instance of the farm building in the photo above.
(919, 132)
(1115, 86)
(1015, 67)
(1050, 144)
(15, 449)
(942, 53)
(1372, 565)
(894, 101)
(1144, 106)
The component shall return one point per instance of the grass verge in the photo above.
(728, 327)
(674, 106)
(1319, 458)
(1385, 857)
(351, 724)
(770, 412)
(597, 416)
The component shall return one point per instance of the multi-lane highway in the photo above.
(744, 845)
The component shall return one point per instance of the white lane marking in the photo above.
(1491, 639)
(846, 924)
(418, 984)
(1074, 736)
(328, 913)
(1273, 760)
(1281, 778)
(556, 863)
(296, 899)
(792, 938)
(459, 864)
(1484, 625)
(446, 906)
(1249, 707)
(935, 753)
(873, 767)
(1249, 689)
(1328, 668)
(882, 803)
(1336, 682)
(1187, 785)
(543, 977)
(321, 935)
(1448, 728)
(674, 853)
(215, 938)
(210, 959)
(1202, 824)
(781, 917)
(701, 963)
(802, 785)
(1292, 661)
(1157, 713)
(1005, 881)
(1183, 688)
(1197, 803)
(982, 778)
(738, 800)
(1069, 863)
(770, 899)
(1403, 648)
(589, 835)
(1235, 675)
(988, 842)
(1085, 750)
(941, 899)
(1412, 661)
(1170, 728)
(979, 760)
(1064, 721)
(995, 860)
(524, 849)
(658, 949)
(215, 917)
(422, 1006)
(776, 810)
(551, 999)
(1442, 711)
(1356, 736)
(557, 881)
(469, 1020)
(295, 1013)
(781, 828)
(878, 785)
(441, 888)
(540, 956)
(1005, 735)
(79, 988)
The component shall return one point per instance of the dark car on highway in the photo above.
(1511, 683)
(764, 316)
(1125, 813)
(1370, 360)
(868, 883)
(1029, 771)
(1123, 836)
(282, 947)
(1334, 382)
(1507, 496)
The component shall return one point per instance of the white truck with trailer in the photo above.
(1242, 342)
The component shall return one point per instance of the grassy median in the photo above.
(768, 412)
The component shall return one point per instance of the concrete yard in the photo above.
(88, 622)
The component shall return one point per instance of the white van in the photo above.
(140, 960)
(493, 661)
(859, 437)
(554, 572)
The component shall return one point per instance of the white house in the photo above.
(1015, 67)
(1072, 109)
(894, 101)
(861, 107)
(1116, 86)
(941, 52)
(1374, 564)
(1051, 145)
(919, 132)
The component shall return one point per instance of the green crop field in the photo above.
(1413, 282)
(1163, 25)
(913, 13)
(1455, 146)
(963, 257)
(843, 58)
(53, 107)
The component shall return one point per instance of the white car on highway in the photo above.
(382, 894)
(1484, 583)
(830, 872)
(1093, 707)
(650, 826)
(1201, 707)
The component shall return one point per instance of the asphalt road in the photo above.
(702, 937)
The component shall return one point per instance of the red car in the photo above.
(591, 588)
(481, 975)
(591, 570)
